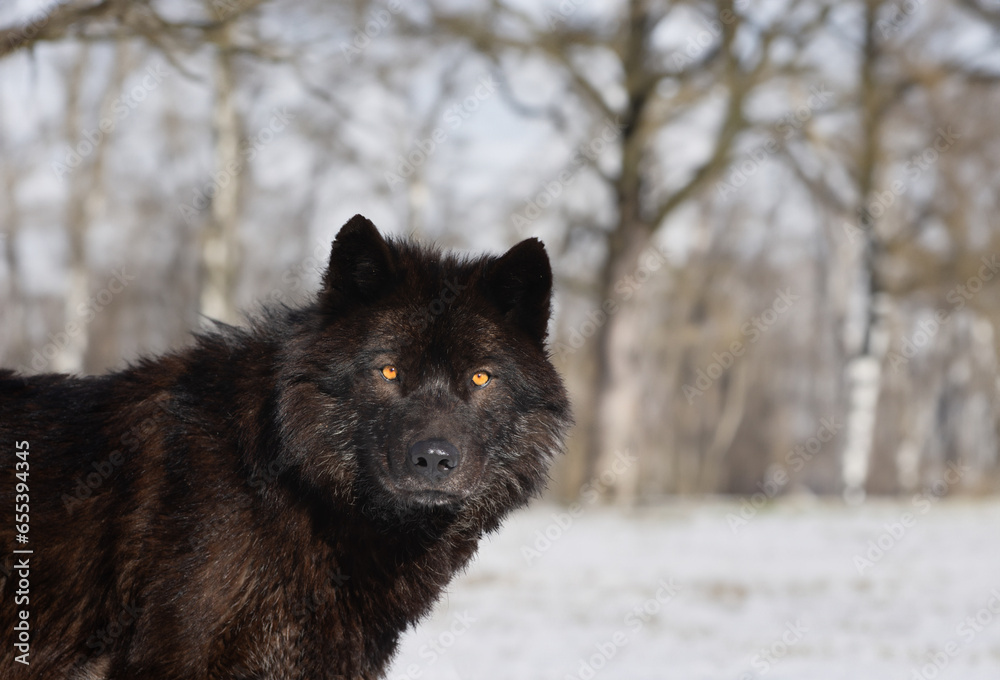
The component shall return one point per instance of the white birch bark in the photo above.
(864, 379)
(219, 248)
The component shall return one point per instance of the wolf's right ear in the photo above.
(361, 265)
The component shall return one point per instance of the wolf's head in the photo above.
(419, 382)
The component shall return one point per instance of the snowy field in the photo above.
(801, 591)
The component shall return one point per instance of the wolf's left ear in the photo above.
(360, 268)
(520, 284)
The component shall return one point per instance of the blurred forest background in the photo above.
(775, 224)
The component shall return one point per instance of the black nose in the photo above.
(433, 459)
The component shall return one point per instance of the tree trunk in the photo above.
(69, 354)
(616, 390)
(219, 245)
(13, 308)
(864, 370)
(618, 379)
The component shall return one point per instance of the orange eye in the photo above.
(480, 378)
(389, 372)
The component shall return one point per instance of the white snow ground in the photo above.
(782, 597)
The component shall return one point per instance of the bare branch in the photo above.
(740, 85)
(60, 22)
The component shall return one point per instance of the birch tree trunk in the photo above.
(864, 370)
(219, 244)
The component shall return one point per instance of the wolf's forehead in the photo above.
(439, 282)
(454, 328)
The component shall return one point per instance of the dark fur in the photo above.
(249, 518)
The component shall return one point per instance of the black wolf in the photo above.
(278, 501)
